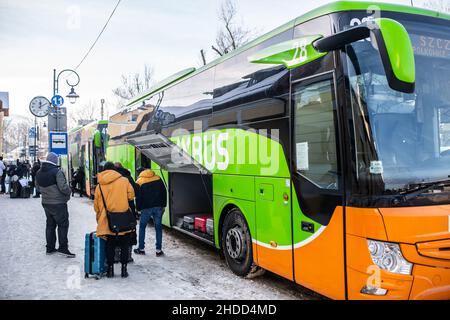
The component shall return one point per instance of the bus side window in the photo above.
(315, 134)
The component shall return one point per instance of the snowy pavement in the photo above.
(190, 269)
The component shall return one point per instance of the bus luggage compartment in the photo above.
(190, 197)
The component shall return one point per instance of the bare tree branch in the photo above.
(15, 132)
(83, 114)
(217, 51)
(232, 35)
(438, 5)
(134, 84)
(203, 57)
(148, 76)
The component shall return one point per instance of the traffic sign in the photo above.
(33, 150)
(58, 142)
(32, 133)
(57, 101)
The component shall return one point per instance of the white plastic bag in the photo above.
(23, 182)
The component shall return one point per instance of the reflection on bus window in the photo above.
(315, 138)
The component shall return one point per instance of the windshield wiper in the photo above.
(415, 190)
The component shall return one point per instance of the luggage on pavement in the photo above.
(94, 256)
(25, 192)
(15, 190)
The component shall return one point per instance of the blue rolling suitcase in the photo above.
(94, 256)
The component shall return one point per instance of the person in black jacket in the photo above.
(151, 200)
(127, 174)
(78, 180)
(2, 176)
(10, 170)
(55, 193)
(34, 170)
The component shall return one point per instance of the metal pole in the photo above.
(101, 112)
(38, 141)
(55, 91)
(35, 138)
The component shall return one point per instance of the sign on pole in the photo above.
(57, 101)
(58, 142)
(32, 133)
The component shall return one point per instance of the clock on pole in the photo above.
(39, 106)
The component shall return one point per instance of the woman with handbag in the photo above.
(115, 221)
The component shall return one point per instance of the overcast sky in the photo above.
(38, 36)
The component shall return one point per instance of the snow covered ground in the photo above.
(190, 269)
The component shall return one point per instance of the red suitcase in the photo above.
(200, 223)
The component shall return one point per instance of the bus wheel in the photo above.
(237, 244)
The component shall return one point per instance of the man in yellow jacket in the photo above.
(117, 192)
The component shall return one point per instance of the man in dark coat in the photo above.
(55, 193)
(78, 181)
(10, 171)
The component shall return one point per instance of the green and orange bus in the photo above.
(321, 150)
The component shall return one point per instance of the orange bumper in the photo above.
(430, 283)
(423, 244)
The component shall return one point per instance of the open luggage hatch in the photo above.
(165, 153)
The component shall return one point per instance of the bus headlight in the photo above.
(388, 256)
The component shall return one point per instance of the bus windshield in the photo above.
(401, 140)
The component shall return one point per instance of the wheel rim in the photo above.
(235, 243)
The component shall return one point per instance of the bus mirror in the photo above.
(394, 46)
(291, 54)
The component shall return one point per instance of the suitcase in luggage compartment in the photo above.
(188, 222)
(94, 256)
(210, 226)
(200, 223)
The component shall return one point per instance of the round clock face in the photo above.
(39, 106)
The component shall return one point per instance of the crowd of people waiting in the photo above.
(116, 192)
(16, 175)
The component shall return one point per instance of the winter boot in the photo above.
(51, 251)
(159, 253)
(110, 271)
(66, 253)
(124, 273)
(139, 251)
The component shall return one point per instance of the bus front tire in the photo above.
(237, 243)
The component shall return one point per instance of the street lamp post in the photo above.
(102, 101)
(35, 139)
(73, 96)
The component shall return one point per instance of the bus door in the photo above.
(318, 229)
